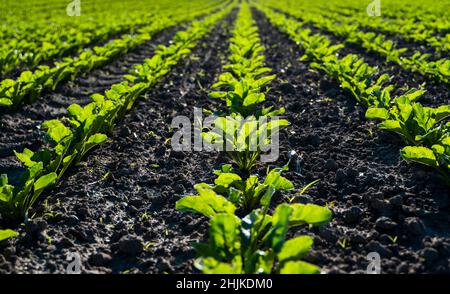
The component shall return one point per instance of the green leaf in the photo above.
(260, 262)
(295, 248)
(414, 94)
(405, 110)
(224, 234)
(267, 197)
(279, 182)
(6, 234)
(5, 102)
(299, 267)
(309, 214)
(45, 181)
(441, 112)
(77, 112)
(262, 81)
(391, 125)
(207, 203)
(420, 154)
(377, 113)
(213, 266)
(226, 179)
(280, 225)
(253, 99)
(97, 139)
(57, 131)
(218, 95)
(234, 195)
(93, 141)
(25, 157)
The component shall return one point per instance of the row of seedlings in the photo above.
(70, 139)
(378, 43)
(33, 40)
(425, 130)
(29, 85)
(246, 234)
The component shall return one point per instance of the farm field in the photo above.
(135, 137)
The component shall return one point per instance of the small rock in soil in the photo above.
(72, 220)
(340, 176)
(375, 246)
(331, 165)
(396, 200)
(385, 224)
(353, 214)
(130, 245)
(100, 259)
(35, 226)
(125, 132)
(414, 225)
(430, 254)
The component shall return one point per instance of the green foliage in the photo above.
(356, 76)
(244, 78)
(6, 234)
(246, 193)
(419, 126)
(69, 139)
(437, 157)
(257, 243)
(244, 139)
(29, 86)
(349, 29)
(415, 123)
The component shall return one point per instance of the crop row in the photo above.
(431, 19)
(70, 139)
(423, 129)
(46, 42)
(244, 237)
(406, 28)
(430, 32)
(28, 47)
(373, 42)
(29, 85)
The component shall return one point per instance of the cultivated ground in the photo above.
(117, 208)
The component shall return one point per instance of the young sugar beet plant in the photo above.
(29, 85)
(69, 139)
(245, 76)
(370, 41)
(437, 156)
(241, 86)
(426, 129)
(257, 243)
(422, 127)
(244, 139)
(247, 193)
(244, 237)
(352, 73)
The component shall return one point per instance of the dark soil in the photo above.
(437, 91)
(117, 210)
(75, 51)
(402, 41)
(21, 129)
(375, 195)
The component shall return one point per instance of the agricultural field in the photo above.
(225, 136)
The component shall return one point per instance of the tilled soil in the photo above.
(437, 91)
(379, 202)
(117, 210)
(21, 129)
